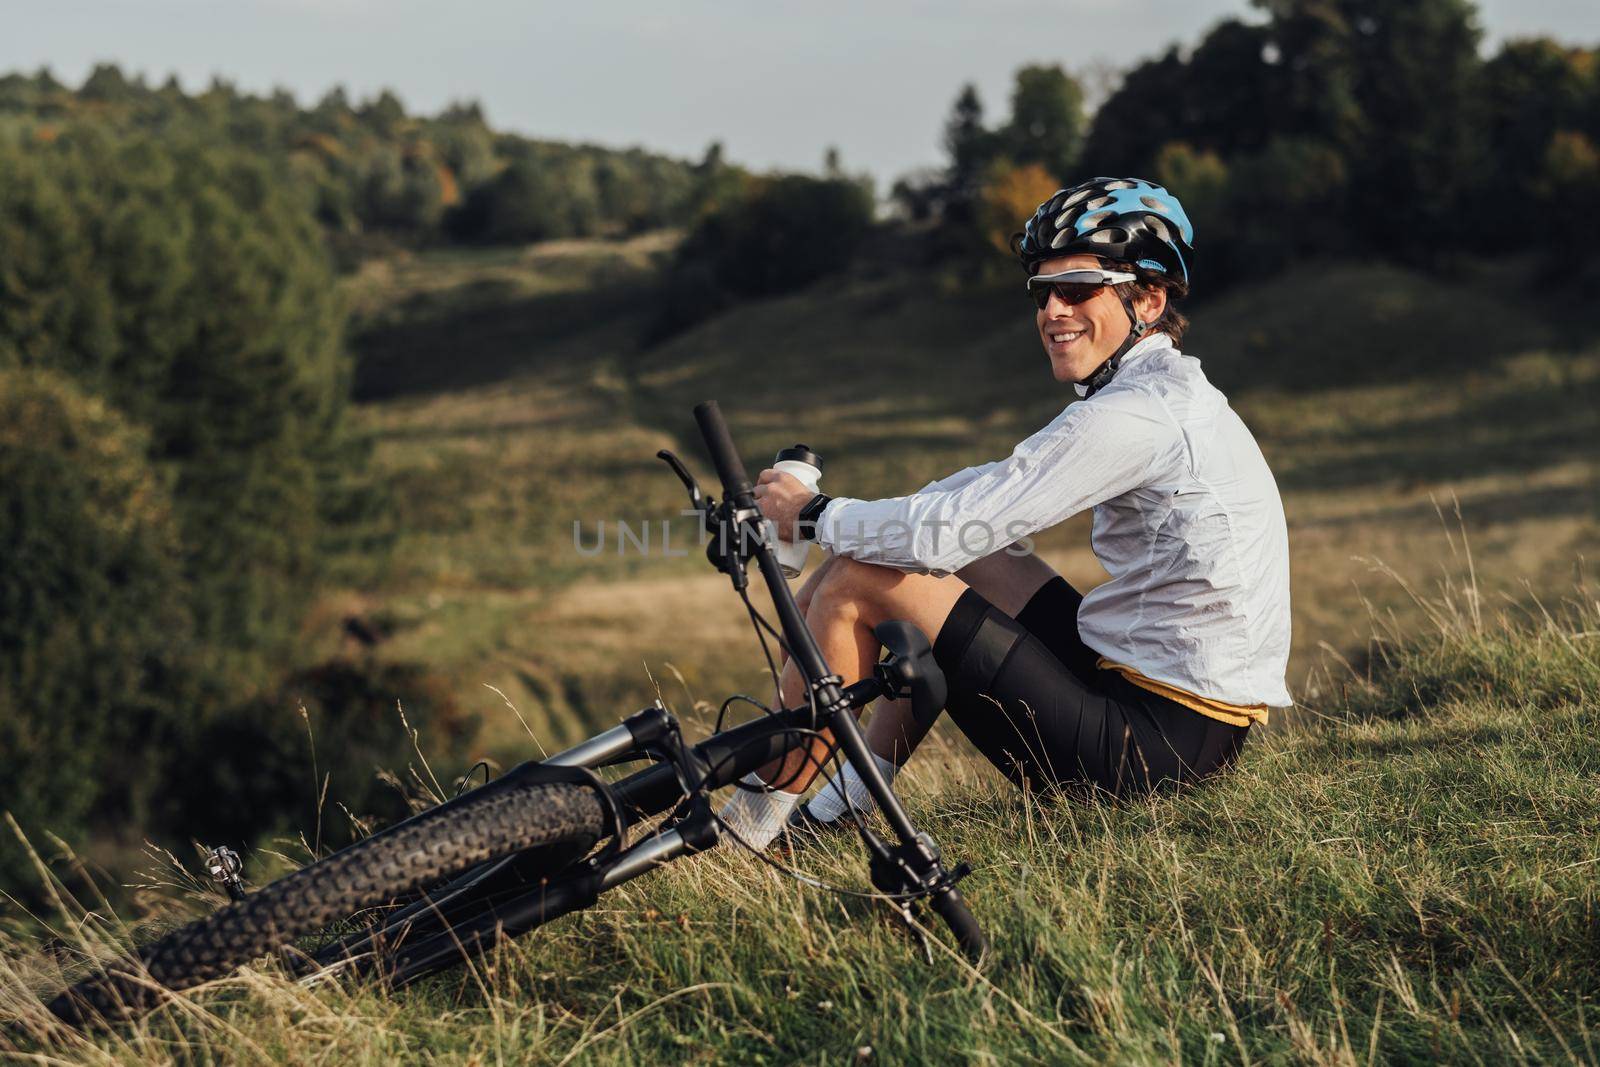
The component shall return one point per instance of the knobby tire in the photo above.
(430, 847)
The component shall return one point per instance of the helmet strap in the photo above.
(1108, 370)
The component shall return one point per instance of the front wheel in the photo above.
(421, 851)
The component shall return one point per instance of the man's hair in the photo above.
(1172, 322)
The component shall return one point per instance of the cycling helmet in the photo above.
(1128, 220)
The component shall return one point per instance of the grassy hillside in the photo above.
(1407, 878)
(511, 398)
(1403, 869)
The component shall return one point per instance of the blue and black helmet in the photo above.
(1128, 220)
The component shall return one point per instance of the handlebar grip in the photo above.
(730, 468)
(953, 910)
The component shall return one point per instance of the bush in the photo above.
(92, 620)
(787, 233)
(318, 740)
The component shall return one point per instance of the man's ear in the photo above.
(1151, 303)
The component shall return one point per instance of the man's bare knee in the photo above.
(808, 589)
(1007, 581)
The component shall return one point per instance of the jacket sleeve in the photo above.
(959, 478)
(1091, 452)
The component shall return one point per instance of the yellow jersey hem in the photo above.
(1232, 714)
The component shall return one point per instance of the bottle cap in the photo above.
(800, 454)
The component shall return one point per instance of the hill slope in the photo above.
(510, 416)
(1411, 879)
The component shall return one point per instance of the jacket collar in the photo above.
(1133, 356)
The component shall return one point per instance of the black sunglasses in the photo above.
(1073, 287)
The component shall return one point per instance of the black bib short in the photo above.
(1026, 691)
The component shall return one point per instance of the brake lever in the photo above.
(697, 499)
(902, 911)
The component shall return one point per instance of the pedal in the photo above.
(223, 865)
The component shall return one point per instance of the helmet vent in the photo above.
(1111, 235)
(1119, 183)
(1159, 228)
(1081, 194)
(1061, 238)
(1101, 219)
(1097, 202)
(1153, 204)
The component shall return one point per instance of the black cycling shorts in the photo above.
(1027, 693)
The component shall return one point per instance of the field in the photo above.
(1402, 869)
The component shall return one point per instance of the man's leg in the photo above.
(846, 603)
(892, 732)
(1004, 580)
(851, 600)
(1008, 581)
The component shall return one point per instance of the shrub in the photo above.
(320, 739)
(92, 621)
(786, 233)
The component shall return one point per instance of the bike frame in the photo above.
(508, 897)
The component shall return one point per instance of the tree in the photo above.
(791, 231)
(1391, 88)
(969, 146)
(1569, 182)
(172, 438)
(401, 190)
(1230, 96)
(189, 286)
(106, 84)
(1011, 194)
(1311, 41)
(1200, 180)
(384, 114)
(1235, 87)
(1137, 119)
(1418, 65)
(787, 233)
(1047, 121)
(716, 183)
(1529, 91)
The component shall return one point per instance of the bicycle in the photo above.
(519, 851)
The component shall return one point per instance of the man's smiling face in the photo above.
(1080, 337)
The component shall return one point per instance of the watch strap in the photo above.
(806, 522)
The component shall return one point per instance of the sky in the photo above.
(777, 82)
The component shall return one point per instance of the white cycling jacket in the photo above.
(1187, 521)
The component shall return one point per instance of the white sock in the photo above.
(829, 803)
(758, 817)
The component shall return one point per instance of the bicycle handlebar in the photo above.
(719, 442)
(952, 908)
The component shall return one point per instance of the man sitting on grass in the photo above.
(1153, 678)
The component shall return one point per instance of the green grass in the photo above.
(1410, 877)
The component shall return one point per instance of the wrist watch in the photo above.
(806, 521)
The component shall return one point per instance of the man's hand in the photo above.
(781, 496)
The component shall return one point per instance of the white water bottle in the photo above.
(805, 465)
